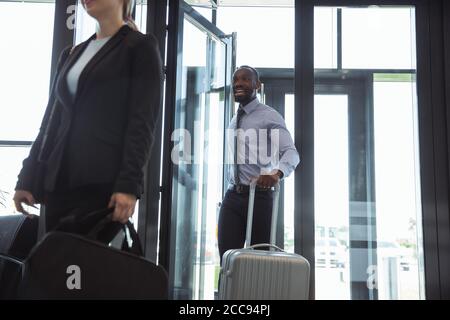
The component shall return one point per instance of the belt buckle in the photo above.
(239, 188)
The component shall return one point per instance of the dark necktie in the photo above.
(239, 115)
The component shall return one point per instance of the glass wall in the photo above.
(367, 177)
(325, 37)
(85, 25)
(265, 40)
(397, 173)
(331, 172)
(141, 15)
(25, 64)
(378, 38)
(265, 35)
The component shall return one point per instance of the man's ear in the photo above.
(258, 85)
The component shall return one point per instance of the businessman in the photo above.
(253, 120)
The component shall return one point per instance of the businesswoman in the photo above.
(97, 130)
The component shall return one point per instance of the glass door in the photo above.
(367, 197)
(278, 93)
(202, 112)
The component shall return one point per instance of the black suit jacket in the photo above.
(104, 135)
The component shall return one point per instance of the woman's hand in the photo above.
(124, 206)
(23, 196)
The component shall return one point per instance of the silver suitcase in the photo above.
(248, 274)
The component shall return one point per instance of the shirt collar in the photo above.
(251, 106)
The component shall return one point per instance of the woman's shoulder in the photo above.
(137, 39)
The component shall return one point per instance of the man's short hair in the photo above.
(253, 70)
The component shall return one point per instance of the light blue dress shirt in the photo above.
(264, 144)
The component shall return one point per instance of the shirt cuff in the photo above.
(284, 168)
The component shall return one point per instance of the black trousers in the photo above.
(80, 201)
(233, 220)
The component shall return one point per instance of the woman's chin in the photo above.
(92, 12)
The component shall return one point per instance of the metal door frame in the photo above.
(178, 10)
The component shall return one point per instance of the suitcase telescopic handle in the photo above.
(251, 203)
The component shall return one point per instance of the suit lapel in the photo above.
(63, 91)
(111, 44)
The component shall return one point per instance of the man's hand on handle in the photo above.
(269, 180)
(21, 197)
(124, 205)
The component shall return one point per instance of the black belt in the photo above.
(243, 188)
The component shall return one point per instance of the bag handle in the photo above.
(107, 219)
(11, 259)
(75, 223)
(131, 234)
(263, 245)
(104, 218)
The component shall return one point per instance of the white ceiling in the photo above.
(210, 3)
(244, 3)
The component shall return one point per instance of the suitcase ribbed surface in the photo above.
(263, 275)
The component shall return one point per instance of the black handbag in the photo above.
(72, 266)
